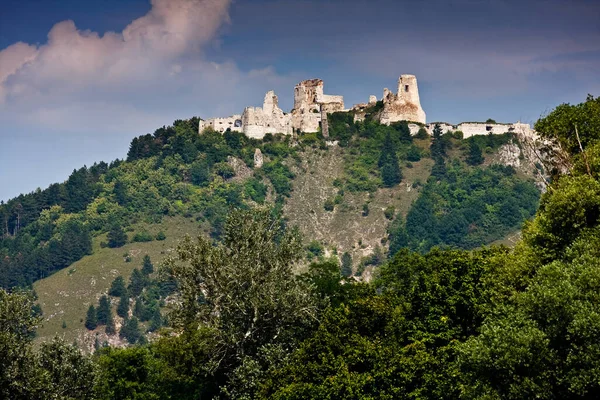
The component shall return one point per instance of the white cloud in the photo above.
(153, 70)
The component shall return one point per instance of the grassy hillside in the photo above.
(66, 295)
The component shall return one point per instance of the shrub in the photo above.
(143, 236)
(161, 236)
(329, 205)
(389, 212)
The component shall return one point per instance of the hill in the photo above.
(359, 193)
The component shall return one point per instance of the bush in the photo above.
(315, 248)
(329, 205)
(422, 134)
(365, 209)
(224, 170)
(161, 236)
(143, 236)
(389, 212)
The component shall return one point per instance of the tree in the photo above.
(103, 313)
(388, 163)
(475, 156)
(110, 325)
(19, 379)
(147, 267)
(70, 374)
(137, 282)
(123, 307)
(568, 122)
(91, 320)
(116, 237)
(156, 321)
(117, 287)
(244, 288)
(131, 330)
(437, 147)
(346, 265)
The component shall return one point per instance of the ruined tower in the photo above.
(405, 105)
(311, 105)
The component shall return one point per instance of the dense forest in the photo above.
(493, 323)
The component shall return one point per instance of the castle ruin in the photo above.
(311, 107)
(404, 105)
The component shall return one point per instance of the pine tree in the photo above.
(156, 322)
(117, 288)
(475, 156)
(139, 309)
(137, 281)
(110, 325)
(123, 307)
(103, 313)
(388, 163)
(91, 321)
(131, 330)
(147, 268)
(346, 269)
(438, 148)
(116, 237)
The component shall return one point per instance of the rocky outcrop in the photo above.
(258, 158)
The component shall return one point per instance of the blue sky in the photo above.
(80, 79)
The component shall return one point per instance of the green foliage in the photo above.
(55, 371)
(389, 212)
(117, 237)
(566, 120)
(123, 307)
(117, 287)
(346, 268)
(466, 209)
(249, 280)
(103, 312)
(147, 267)
(255, 190)
(422, 134)
(143, 236)
(475, 156)
(388, 163)
(131, 331)
(91, 320)
(224, 170)
(280, 176)
(161, 236)
(329, 205)
(137, 282)
(315, 249)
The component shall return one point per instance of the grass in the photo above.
(66, 295)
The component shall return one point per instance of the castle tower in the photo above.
(271, 102)
(403, 106)
(408, 90)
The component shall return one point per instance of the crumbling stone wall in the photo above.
(222, 124)
(311, 105)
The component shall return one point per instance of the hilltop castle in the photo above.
(311, 107)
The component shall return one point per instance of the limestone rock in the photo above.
(258, 158)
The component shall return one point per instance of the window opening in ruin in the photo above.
(406, 88)
(238, 123)
(488, 128)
